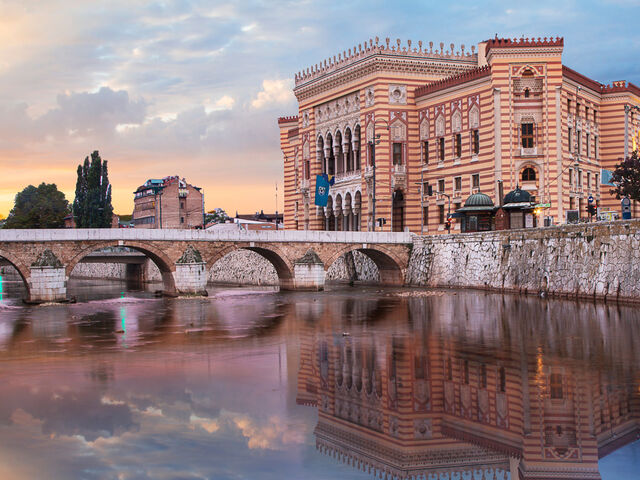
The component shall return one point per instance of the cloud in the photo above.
(225, 102)
(274, 92)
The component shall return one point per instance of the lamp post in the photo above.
(372, 144)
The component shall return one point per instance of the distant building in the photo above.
(168, 203)
(261, 220)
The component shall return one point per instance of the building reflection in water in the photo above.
(457, 391)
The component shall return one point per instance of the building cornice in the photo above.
(452, 81)
(378, 63)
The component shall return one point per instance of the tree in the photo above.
(92, 206)
(626, 177)
(217, 215)
(42, 207)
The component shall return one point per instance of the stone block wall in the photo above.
(116, 271)
(48, 284)
(600, 260)
(309, 276)
(190, 278)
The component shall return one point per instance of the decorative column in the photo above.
(345, 155)
(355, 147)
(337, 158)
(191, 273)
(308, 272)
(48, 280)
(327, 158)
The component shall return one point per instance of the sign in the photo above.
(528, 221)
(322, 191)
(590, 199)
(543, 205)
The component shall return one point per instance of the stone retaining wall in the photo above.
(599, 260)
(240, 267)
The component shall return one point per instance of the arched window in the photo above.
(526, 93)
(528, 175)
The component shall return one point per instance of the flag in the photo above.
(322, 191)
(330, 179)
(605, 177)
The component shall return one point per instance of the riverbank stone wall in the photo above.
(599, 260)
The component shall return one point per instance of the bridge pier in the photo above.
(308, 272)
(191, 274)
(47, 284)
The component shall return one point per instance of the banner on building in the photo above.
(605, 177)
(322, 191)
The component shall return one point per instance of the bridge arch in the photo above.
(273, 254)
(389, 266)
(157, 256)
(21, 268)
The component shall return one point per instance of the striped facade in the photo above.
(508, 114)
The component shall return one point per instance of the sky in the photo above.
(194, 88)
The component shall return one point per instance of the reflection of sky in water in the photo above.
(206, 388)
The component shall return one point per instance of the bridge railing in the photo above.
(131, 234)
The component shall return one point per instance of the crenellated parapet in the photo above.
(524, 42)
(371, 48)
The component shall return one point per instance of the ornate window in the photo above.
(528, 175)
(457, 145)
(424, 129)
(474, 117)
(475, 142)
(456, 121)
(527, 135)
(397, 154)
(441, 157)
(440, 126)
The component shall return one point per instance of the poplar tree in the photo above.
(92, 206)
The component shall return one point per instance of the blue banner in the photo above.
(605, 177)
(322, 191)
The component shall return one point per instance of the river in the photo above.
(349, 383)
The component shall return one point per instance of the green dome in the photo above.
(517, 196)
(479, 200)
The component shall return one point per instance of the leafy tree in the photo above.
(42, 207)
(92, 206)
(626, 177)
(217, 215)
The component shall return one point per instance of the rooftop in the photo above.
(369, 49)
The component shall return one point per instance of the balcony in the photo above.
(348, 176)
(304, 185)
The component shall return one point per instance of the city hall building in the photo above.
(391, 122)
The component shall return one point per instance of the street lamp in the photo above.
(372, 145)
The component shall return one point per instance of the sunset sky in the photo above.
(194, 88)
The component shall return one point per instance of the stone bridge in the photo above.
(45, 258)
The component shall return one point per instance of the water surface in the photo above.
(348, 383)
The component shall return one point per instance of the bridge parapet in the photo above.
(131, 234)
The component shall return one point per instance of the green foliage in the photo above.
(92, 206)
(217, 215)
(41, 207)
(626, 177)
